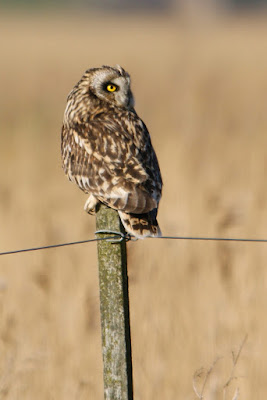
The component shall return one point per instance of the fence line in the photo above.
(117, 236)
(55, 245)
(218, 239)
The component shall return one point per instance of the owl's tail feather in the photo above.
(141, 225)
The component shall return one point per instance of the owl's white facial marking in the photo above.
(109, 85)
(123, 95)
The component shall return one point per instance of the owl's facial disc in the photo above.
(108, 85)
(122, 94)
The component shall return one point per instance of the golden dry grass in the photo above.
(202, 90)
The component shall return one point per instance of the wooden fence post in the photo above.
(114, 308)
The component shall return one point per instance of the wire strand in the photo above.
(56, 245)
(126, 237)
(213, 239)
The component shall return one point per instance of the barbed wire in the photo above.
(116, 237)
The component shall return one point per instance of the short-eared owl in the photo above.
(107, 151)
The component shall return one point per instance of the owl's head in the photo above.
(111, 84)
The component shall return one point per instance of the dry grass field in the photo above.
(201, 88)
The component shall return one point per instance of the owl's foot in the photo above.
(90, 204)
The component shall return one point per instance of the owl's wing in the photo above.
(115, 161)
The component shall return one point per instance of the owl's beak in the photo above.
(131, 99)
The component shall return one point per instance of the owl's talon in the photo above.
(91, 212)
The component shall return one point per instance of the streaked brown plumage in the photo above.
(107, 151)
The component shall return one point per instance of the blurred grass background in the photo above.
(201, 87)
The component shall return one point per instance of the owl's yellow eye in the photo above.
(111, 87)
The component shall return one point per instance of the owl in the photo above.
(106, 150)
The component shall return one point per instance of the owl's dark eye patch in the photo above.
(111, 87)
